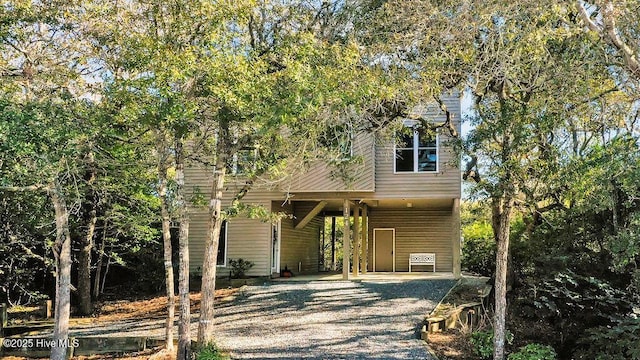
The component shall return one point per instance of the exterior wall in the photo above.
(249, 239)
(417, 231)
(300, 246)
(446, 183)
(318, 178)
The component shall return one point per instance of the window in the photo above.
(243, 162)
(222, 245)
(416, 152)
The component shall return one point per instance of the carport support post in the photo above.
(333, 243)
(365, 241)
(356, 240)
(456, 225)
(346, 241)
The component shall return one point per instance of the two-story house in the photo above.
(404, 199)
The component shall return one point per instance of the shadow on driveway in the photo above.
(329, 320)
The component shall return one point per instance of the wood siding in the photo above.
(319, 178)
(417, 231)
(445, 183)
(248, 239)
(301, 246)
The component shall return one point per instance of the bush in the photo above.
(479, 248)
(534, 352)
(482, 342)
(569, 303)
(239, 268)
(615, 342)
(210, 352)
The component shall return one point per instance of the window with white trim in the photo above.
(416, 152)
(243, 162)
(222, 245)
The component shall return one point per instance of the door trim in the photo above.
(393, 248)
(275, 250)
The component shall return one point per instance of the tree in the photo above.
(269, 82)
(616, 24)
(519, 62)
(40, 69)
(152, 63)
(37, 160)
(54, 144)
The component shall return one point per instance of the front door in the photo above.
(383, 249)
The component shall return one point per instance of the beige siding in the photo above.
(249, 239)
(198, 179)
(319, 177)
(445, 183)
(417, 231)
(376, 173)
(300, 247)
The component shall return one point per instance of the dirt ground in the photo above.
(454, 344)
(109, 311)
(451, 345)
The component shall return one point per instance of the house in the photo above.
(404, 199)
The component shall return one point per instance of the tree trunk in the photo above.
(62, 255)
(106, 271)
(86, 243)
(205, 326)
(184, 333)
(168, 263)
(97, 280)
(501, 215)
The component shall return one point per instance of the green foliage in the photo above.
(618, 341)
(570, 303)
(24, 264)
(534, 352)
(569, 296)
(479, 248)
(482, 342)
(148, 267)
(209, 352)
(239, 267)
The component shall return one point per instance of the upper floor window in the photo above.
(243, 162)
(416, 152)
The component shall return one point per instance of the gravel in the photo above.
(329, 320)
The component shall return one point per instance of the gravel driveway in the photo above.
(329, 320)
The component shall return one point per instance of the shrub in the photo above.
(534, 352)
(479, 248)
(209, 352)
(239, 268)
(568, 303)
(615, 342)
(482, 342)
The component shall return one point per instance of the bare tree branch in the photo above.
(609, 32)
(35, 187)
